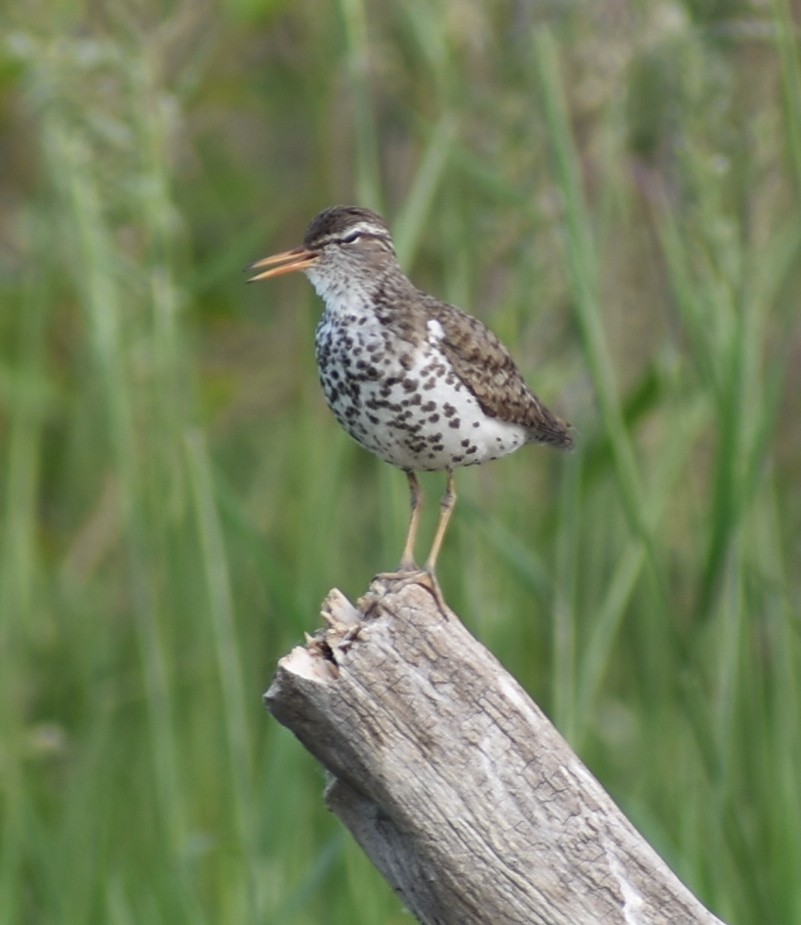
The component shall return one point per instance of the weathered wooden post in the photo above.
(453, 781)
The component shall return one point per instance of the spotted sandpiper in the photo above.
(416, 381)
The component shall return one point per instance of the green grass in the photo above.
(617, 195)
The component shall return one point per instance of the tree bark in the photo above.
(454, 782)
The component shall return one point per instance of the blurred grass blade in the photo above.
(584, 274)
(415, 212)
(229, 661)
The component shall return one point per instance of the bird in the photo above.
(418, 382)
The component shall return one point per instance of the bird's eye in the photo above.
(353, 236)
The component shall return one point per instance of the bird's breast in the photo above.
(402, 400)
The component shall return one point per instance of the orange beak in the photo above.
(287, 262)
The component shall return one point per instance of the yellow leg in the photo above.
(446, 509)
(407, 563)
(408, 570)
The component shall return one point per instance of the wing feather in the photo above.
(485, 366)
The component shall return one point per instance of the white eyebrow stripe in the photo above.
(365, 228)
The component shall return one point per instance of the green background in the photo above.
(614, 188)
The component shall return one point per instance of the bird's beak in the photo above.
(299, 258)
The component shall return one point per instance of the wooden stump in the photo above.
(454, 782)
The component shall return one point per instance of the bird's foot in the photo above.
(412, 574)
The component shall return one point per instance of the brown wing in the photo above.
(484, 365)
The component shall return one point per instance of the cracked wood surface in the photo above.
(454, 782)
